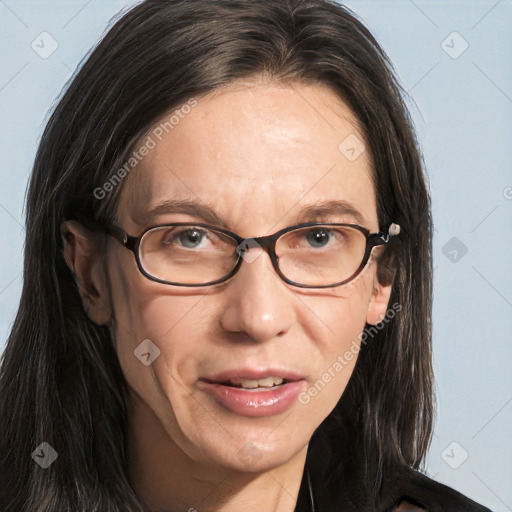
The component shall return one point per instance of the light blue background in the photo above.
(463, 113)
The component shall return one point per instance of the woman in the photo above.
(227, 284)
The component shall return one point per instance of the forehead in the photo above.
(256, 154)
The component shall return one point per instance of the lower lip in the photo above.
(254, 403)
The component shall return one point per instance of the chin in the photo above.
(250, 459)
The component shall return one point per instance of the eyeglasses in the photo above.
(311, 255)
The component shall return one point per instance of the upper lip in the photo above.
(253, 374)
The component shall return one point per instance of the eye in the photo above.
(319, 237)
(190, 238)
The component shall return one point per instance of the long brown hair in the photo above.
(60, 379)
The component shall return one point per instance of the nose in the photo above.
(258, 303)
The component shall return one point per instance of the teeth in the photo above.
(267, 382)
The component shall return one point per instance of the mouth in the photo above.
(254, 393)
(252, 378)
(255, 384)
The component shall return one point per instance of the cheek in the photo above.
(152, 330)
(338, 313)
(336, 328)
(143, 308)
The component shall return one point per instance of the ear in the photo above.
(378, 306)
(84, 256)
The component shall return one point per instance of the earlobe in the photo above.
(83, 253)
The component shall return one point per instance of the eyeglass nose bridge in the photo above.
(267, 243)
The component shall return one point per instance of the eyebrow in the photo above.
(311, 213)
(330, 208)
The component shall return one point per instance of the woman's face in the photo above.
(256, 155)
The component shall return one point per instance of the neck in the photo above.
(166, 479)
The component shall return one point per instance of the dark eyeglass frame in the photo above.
(267, 243)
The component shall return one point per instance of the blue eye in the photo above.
(192, 236)
(189, 238)
(318, 237)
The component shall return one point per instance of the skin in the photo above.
(257, 152)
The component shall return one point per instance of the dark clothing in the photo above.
(344, 490)
(421, 490)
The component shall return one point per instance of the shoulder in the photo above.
(405, 489)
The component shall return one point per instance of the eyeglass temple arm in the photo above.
(121, 236)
